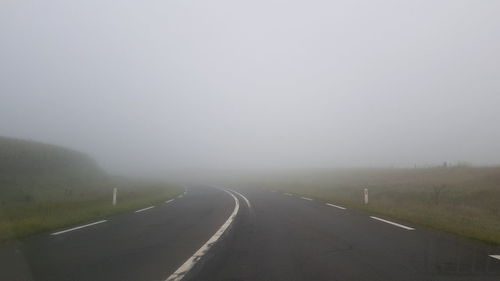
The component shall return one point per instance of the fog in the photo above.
(159, 85)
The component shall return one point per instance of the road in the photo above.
(248, 234)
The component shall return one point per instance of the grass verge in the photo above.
(464, 221)
(460, 200)
(20, 219)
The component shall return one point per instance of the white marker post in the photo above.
(366, 195)
(114, 196)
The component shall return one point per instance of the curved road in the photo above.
(273, 236)
(147, 245)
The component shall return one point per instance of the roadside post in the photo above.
(366, 195)
(114, 196)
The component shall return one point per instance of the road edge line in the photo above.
(78, 227)
(393, 223)
(144, 209)
(244, 198)
(336, 206)
(495, 257)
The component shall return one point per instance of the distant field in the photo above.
(45, 187)
(462, 200)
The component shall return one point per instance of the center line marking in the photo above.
(495, 257)
(306, 198)
(78, 227)
(142, 210)
(190, 263)
(340, 207)
(289, 194)
(393, 223)
(242, 196)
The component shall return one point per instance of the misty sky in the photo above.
(254, 84)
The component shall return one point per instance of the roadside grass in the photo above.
(23, 218)
(45, 187)
(461, 200)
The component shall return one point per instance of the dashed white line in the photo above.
(189, 264)
(78, 227)
(336, 206)
(289, 194)
(495, 257)
(244, 198)
(168, 201)
(306, 198)
(142, 210)
(393, 223)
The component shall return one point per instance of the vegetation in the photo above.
(463, 200)
(44, 187)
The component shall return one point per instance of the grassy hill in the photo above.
(21, 158)
(35, 171)
(43, 187)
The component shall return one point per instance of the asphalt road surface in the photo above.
(214, 234)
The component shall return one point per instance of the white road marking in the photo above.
(189, 264)
(495, 257)
(142, 210)
(393, 223)
(78, 227)
(169, 201)
(340, 207)
(244, 198)
(289, 194)
(306, 198)
(180, 196)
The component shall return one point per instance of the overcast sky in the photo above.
(254, 84)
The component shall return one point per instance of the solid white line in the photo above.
(246, 200)
(495, 257)
(289, 194)
(306, 198)
(78, 227)
(393, 223)
(340, 207)
(189, 264)
(142, 210)
(169, 201)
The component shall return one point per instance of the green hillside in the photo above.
(20, 159)
(43, 187)
(34, 171)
